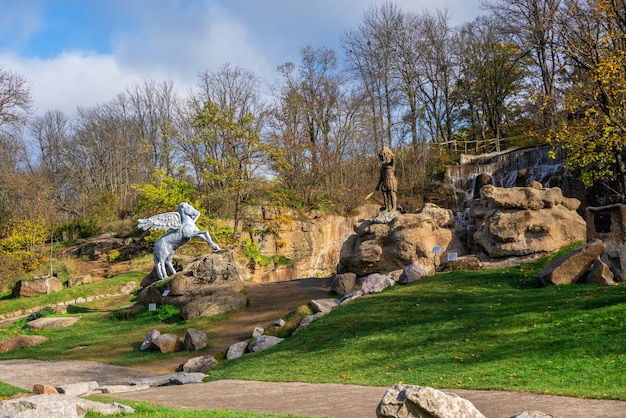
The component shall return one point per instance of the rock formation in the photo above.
(525, 220)
(377, 248)
(208, 286)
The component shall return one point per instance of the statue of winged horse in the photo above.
(182, 228)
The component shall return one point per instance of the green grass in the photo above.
(471, 330)
(101, 337)
(6, 391)
(157, 411)
(108, 286)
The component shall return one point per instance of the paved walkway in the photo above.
(319, 400)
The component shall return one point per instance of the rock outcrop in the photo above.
(207, 286)
(382, 248)
(525, 220)
(310, 241)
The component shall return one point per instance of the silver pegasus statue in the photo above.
(182, 227)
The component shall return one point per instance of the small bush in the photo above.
(114, 256)
(45, 311)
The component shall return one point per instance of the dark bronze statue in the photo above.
(387, 183)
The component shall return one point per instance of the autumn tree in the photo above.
(594, 134)
(235, 170)
(491, 77)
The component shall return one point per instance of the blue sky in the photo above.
(84, 52)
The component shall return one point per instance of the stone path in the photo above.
(320, 400)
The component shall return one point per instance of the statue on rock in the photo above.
(182, 228)
(388, 185)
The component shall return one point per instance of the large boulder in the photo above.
(200, 364)
(573, 266)
(167, 343)
(342, 284)
(264, 342)
(216, 303)
(520, 221)
(195, 340)
(58, 406)
(386, 247)
(208, 285)
(38, 286)
(52, 322)
(407, 401)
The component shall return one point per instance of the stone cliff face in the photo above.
(312, 242)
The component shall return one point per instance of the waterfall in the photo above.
(510, 168)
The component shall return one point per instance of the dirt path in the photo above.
(268, 303)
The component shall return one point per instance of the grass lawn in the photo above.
(470, 330)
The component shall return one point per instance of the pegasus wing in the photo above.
(161, 222)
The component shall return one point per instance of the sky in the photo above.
(81, 53)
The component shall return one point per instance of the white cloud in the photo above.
(175, 40)
(72, 79)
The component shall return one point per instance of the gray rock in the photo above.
(122, 388)
(355, 294)
(52, 322)
(184, 378)
(200, 364)
(79, 389)
(179, 378)
(407, 401)
(306, 321)
(324, 305)
(147, 342)
(280, 323)
(376, 283)
(532, 414)
(343, 283)
(264, 342)
(49, 406)
(236, 350)
(257, 332)
(412, 272)
(195, 340)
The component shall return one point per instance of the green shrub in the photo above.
(114, 256)
(45, 311)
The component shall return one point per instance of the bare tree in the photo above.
(15, 99)
(154, 107)
(369, 57)
(533, 26)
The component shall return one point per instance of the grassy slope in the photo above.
(473, 330)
